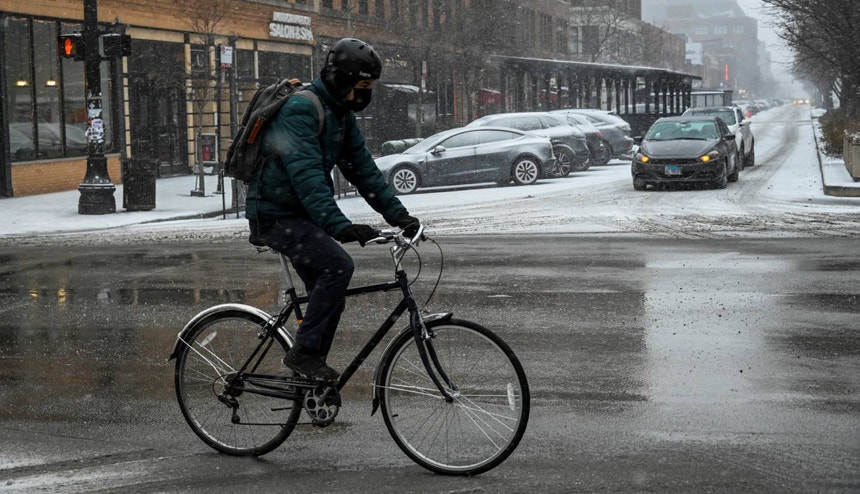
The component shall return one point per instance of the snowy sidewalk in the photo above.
(58, 212)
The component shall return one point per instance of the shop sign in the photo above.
(291, 26)
(207, 150)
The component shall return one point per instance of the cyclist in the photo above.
(290, 202)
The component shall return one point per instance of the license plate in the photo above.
(672, 170)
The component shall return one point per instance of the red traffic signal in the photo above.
(72, 46)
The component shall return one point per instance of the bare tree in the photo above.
(824, 35)
(203, 18)
(605, 32)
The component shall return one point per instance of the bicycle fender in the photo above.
(218, 309)
(377, 379)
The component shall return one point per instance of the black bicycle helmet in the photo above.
(349, 61)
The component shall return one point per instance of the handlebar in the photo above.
(399, 237)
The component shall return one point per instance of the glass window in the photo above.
(47, 103)
(460, 140)
(326, 4)
(344, 5)
(245, 64)
(74, 97)
(277, 66)
(22, 134)
(488, 136)
(380, 9)
(49, 134)
(363, 7)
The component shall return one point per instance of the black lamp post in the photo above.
(97, 191)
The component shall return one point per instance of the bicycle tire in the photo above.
(217, 345)
(489, 414)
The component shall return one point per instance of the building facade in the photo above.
(194, 65)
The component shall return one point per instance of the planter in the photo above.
(851, 154)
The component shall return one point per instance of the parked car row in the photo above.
(510, 147)
(614, 129)
(569, 142)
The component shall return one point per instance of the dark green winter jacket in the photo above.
(297, 179)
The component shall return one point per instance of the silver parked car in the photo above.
(469, 155)
(569, 142)
(598, 149)
(616, 131)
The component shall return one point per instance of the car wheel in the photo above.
(741, 158)
(525, 170)
(563, 162)
(733, 176)
(639, 184)
(750, 158)
(601, 157)
(404, 180)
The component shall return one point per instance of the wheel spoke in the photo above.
(489, 412)
(209, 405)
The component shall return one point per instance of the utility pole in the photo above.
(97, 191)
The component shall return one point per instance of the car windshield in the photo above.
(727, 116)
(669, 131)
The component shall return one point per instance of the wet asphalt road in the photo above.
(655, 366)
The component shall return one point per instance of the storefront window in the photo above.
(49, 130)
(16, 46)
(74, 102)
(277, 66)
(45, 93)
(245, 64)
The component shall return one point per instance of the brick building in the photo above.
(194, 64)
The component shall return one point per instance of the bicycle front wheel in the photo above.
(232, 418)
(490, 410)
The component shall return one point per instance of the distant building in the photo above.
(725, 33)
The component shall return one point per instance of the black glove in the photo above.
(409, 224)
(357, 233)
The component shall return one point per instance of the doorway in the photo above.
(157, 111)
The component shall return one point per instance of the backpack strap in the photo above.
(313, 98)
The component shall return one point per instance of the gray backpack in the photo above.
(243, 155)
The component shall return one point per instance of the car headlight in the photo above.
(710, 156)
(642, 158)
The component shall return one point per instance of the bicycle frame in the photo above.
(274, 385)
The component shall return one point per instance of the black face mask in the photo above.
(360, 100)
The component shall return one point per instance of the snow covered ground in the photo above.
(781, 195)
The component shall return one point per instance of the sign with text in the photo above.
(207, 149)
(291, 26)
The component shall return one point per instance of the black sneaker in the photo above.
(309, 365)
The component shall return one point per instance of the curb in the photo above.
(831, 190)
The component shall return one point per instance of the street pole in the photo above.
(97, 191)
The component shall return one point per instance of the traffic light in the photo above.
(72, 46)
(116, 45)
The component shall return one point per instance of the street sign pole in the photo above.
(97, 191)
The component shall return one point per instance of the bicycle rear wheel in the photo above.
(238, 421)
(486, 420)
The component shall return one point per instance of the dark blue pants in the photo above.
(324, 267)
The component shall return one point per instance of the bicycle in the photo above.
(453, 395)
